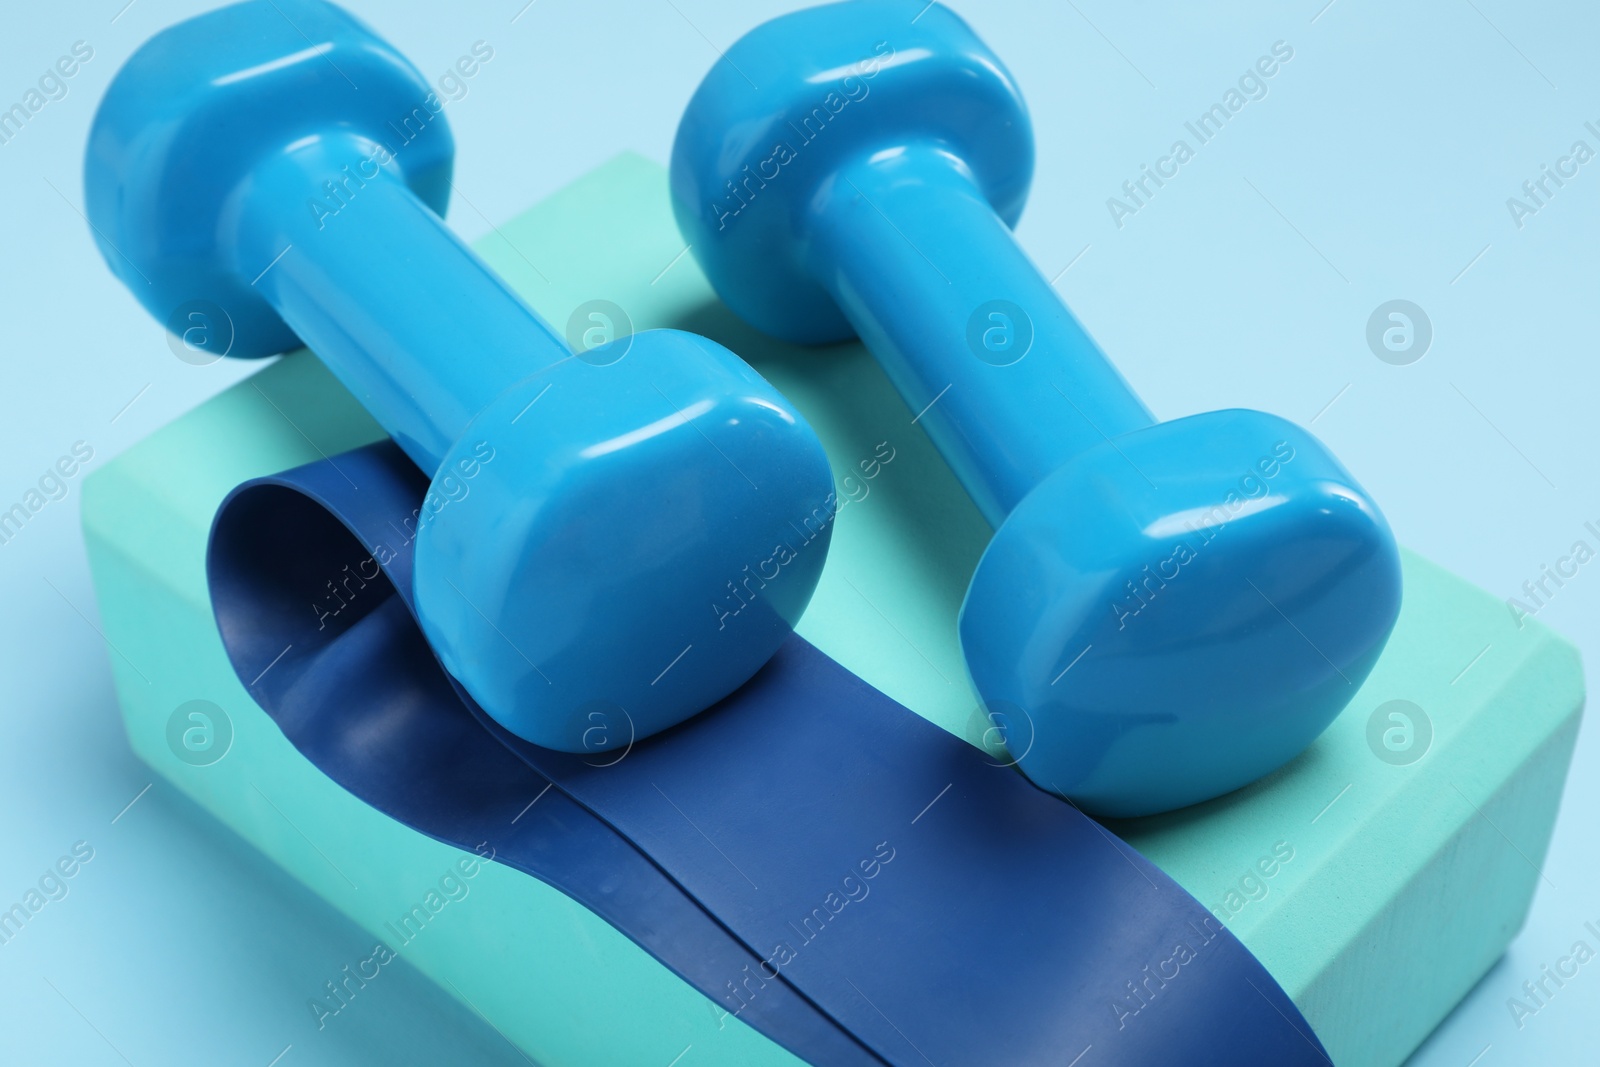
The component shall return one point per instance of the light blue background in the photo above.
(1377, 167)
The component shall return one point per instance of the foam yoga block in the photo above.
(1377, 876)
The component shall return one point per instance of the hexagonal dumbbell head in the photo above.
(191, 116)
(637, 530)
(1167, 611)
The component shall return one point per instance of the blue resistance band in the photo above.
(847, 878)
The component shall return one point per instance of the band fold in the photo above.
(847, 878)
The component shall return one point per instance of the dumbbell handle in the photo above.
(909, 249)
(407, 317)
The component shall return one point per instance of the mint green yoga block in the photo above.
(1377, 890)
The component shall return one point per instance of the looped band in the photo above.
(852, 881)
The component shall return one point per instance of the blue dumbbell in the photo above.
(276, 172)
(1167, 611)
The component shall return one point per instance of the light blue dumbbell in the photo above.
(1167, 610)
(279, 170)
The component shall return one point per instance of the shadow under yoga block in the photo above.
(1376, 891)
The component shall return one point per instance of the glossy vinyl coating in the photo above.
(672, 516)
(193, 112)
(894, 223)
(840, 83)
(282, 169)
(1160, 631)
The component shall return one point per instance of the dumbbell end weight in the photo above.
(595, 564)
(840, 82)
(1231, 592)
(607, 568)
(198, 107)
